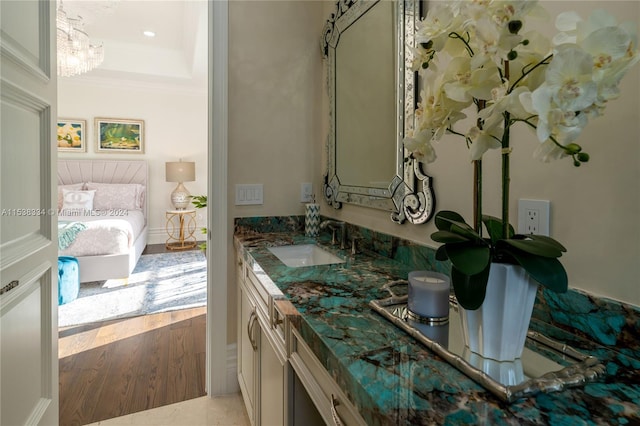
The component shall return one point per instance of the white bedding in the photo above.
(107, 232)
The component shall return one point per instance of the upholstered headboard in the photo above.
(105, 171)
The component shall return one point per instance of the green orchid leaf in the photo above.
(466, 231)
(460, 228)
(441, 253)
(548, 271)
(494, 228)
(454, 224)
(470, 259)
(447, 237)
(534, 247)
(470, 290)
(548, 240)
(444, 219)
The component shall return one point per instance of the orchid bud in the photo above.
(573, 148)
(428, 45)
(583, 157)
(514, 26)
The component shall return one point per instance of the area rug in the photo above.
(159, 283)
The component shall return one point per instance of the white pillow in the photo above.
(77, 200)
(128, 196)
(75, 186)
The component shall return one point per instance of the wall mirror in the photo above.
(367, 45)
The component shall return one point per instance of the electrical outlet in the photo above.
(306, 192)
(533, 217)
(532, 221)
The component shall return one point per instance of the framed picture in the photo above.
(119, 136)
(71, 135)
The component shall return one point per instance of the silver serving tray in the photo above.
(536, 371)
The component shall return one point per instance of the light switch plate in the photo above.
(249, 194)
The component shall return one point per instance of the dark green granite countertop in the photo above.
(394, 380)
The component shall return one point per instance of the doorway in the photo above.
(219, 339)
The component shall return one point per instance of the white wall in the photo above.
(275, 103)
(275, 109)
(595, 209)
(175, 126)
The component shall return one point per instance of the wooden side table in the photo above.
(181, 225)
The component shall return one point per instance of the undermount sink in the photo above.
(299, 255)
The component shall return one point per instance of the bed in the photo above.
(102, 215)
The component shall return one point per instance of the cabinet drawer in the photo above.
(332, 404)
(284, 313)
(258, 290)
(278, 318)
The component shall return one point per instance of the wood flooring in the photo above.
(118, 367)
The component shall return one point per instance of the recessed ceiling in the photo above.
(177, 55)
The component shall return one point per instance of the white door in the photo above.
(28, 230)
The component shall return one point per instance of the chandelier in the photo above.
(76, 54)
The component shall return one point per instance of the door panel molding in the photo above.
(14, 47)
(17, 250)
(27, 312)
(31, 225)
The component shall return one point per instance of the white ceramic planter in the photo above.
(498, 329)
(507, 373)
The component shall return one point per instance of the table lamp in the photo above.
(180, 171)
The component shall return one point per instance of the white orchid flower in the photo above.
(554, 122)
(435, 28)
(436, 111)
(573, 29)
(538, 48)
(420, 146)
(548, 151)
(569, 77)
(493, 42)
(462, 84)
(487, 61)
(613, 52)
(483, 140)
(493, 114)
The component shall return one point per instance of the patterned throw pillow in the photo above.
(128, 196)
(75, 186)
(77, 200)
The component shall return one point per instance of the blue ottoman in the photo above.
(68, 279)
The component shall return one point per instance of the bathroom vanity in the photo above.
(311, 350)
(281, 380)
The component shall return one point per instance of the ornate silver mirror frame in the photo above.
(409, 193)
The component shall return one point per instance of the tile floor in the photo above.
(225, 410)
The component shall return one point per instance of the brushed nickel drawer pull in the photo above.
(250, 329)
(7, 288)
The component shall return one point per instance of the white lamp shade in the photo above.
(181, 171)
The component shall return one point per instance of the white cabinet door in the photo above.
(28, 230)
(272, 384)
(247, 350)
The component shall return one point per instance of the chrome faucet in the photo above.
(334, 225)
